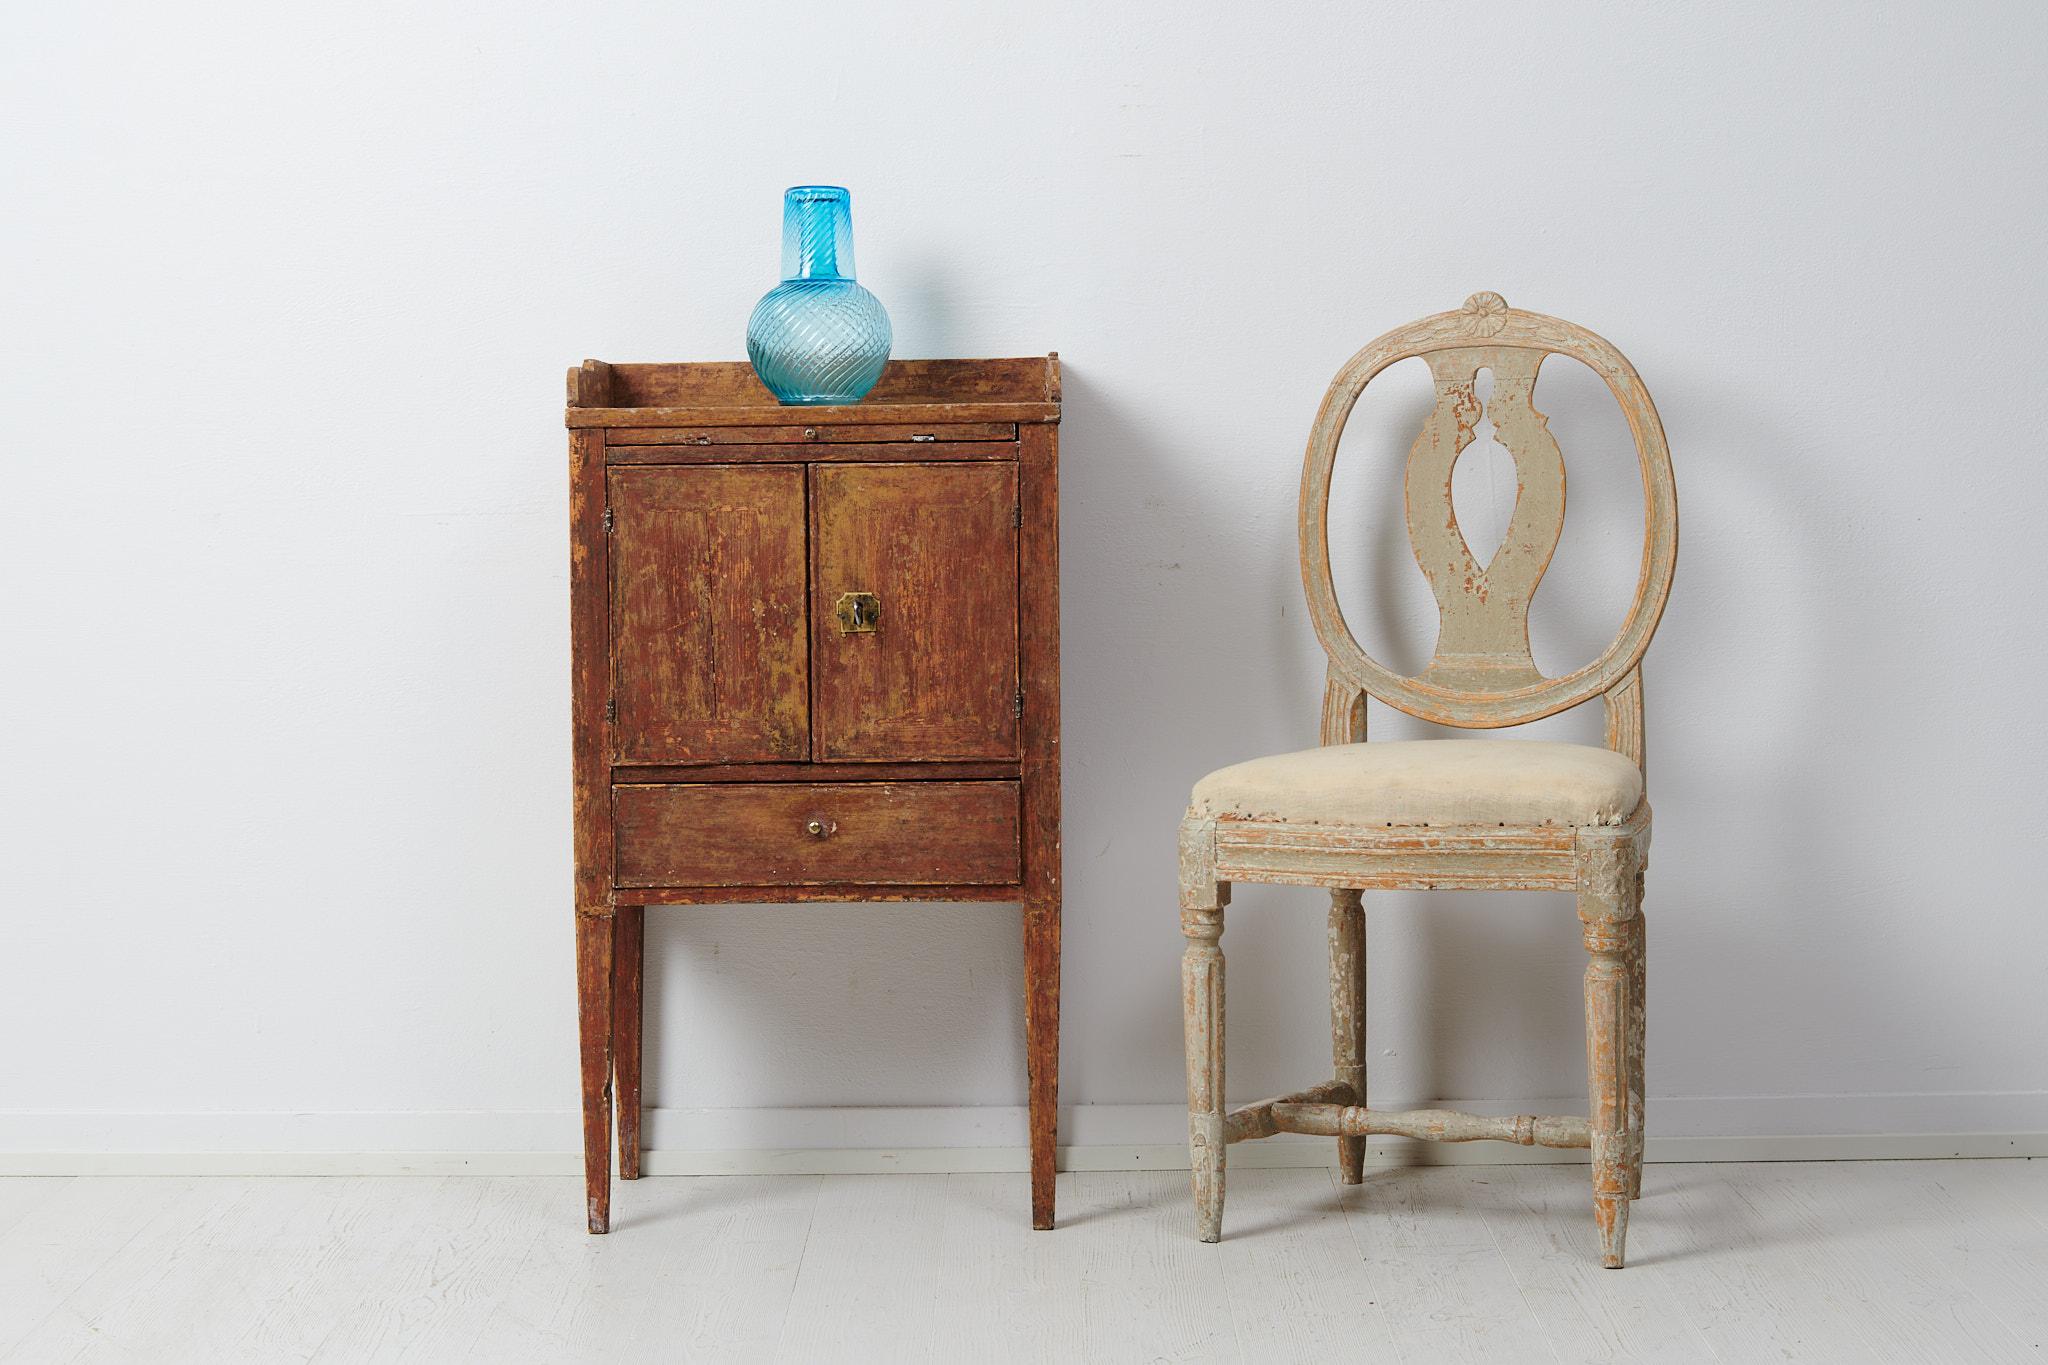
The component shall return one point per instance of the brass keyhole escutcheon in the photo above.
(859, 613)
(819, 829)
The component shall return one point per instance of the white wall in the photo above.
(286, 303)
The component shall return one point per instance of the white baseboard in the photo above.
(1273, 1153)
(1097, 1138)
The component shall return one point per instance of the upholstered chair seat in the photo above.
(1428, 782)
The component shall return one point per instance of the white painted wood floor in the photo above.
(1854, 1261)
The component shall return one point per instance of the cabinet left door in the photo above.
(709, 636)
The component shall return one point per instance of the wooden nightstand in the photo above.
(816, 657)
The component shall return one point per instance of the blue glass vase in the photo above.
(818, 337)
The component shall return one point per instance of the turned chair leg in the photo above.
(1638, 1020)
(594, 1034)
(1607, 909)
(1347, 1018)
(1201, 976)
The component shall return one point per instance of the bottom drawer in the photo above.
(812, 833)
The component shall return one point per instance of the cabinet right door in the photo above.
(914, 611)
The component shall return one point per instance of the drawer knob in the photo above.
(810, 433)
(819, 829)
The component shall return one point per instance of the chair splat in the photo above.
(1483, 636)
(1482, 675)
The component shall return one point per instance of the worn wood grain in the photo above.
(590, 385)
(1343, 712)
(629, 946)
(833, 893)
(1431, 1125)
(591, 745)
(1851, 1262)
(846, 833)
(1608, 895)
(1537, 1219)
(1255, 1120)
(1202, 900)
(937, 547)
(702, 1272)
(706, 588)
(870, 413)
(1483, 608)
(1446, 1291)
(1398, 857)
(1347, 1019)
(1344, 722)
(819, 441)
(594, 1047)
(934, 1268)
(709, 615)
(1481, 675)
(733, 384)
(1038, 705)
(1638, 1029)
(1625, 717)
(1042, 1049)
(65, 1242)
(590, 654)
(1483, 682)
(21, 1195)
(936, 771)
(900, 452)
(450, 1265)
(205, 1280)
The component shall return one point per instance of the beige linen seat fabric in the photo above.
(1428, 782)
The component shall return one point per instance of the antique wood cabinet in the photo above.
(816, 656)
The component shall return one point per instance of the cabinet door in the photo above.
(921, 663)
(708, 630)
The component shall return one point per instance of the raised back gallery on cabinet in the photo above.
(816, 656)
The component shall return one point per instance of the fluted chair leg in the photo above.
(1201, 975)
(1347, 1017)
(1607, 908)
(1637, 1027)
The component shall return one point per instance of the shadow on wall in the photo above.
(1753, 574)
(1187, 646)
(1146, 604)
(921, 1004)
(1479, 993)
(758, 1007)
(1479, 997)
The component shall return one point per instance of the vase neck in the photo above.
(817, 233)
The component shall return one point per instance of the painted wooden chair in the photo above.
(1463, 815)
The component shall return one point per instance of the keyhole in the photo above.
(1483, 484)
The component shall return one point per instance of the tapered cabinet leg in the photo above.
(594, 1033)
(1201, 977)
(1607, 909)
(1638, 1023)
(628, 942)
(1347, 1017)
(1042, 1047)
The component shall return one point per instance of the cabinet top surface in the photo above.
(727, 393)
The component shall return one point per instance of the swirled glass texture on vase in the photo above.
(818, 337)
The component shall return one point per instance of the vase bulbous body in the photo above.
(818, 337)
